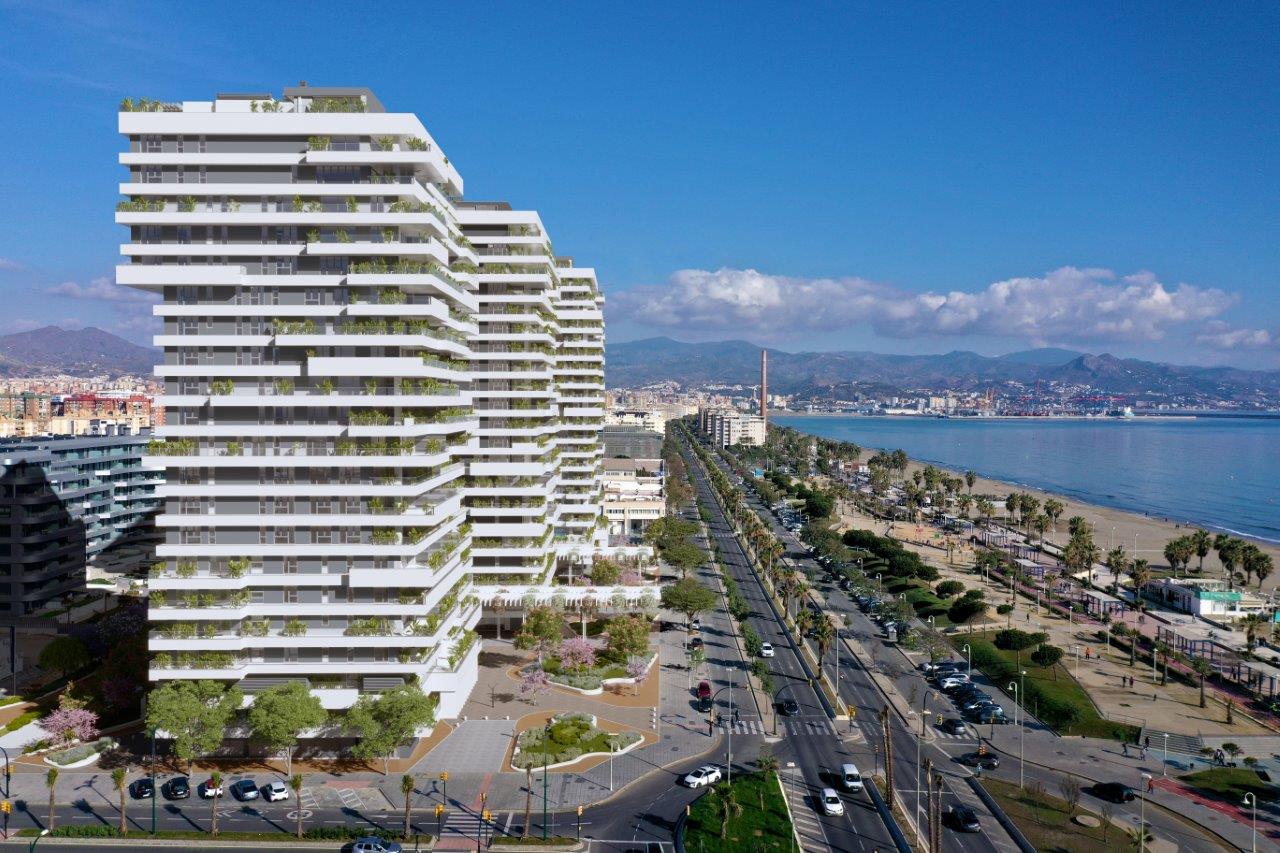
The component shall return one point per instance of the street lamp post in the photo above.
(1164, 769)
(546, 736)
(1142, 816)
(36, 840)
(1252, 802)
(610, 765)
(1018, 721)
(968, 658)
(155, 794)
(7, 779)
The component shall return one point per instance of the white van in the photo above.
(850, 778)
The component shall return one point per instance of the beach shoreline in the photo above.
(1111, 525)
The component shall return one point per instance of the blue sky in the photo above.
(906, 178)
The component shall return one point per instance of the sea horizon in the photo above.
(1212, 471)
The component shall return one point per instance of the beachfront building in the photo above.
(382, 399)
(1205, 597)
(66, 504)
(727, 427)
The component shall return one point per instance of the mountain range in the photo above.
(829, 374)
(75, 352)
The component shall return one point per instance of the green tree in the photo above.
(406, 789)
(65, 655)
(605, 572)
(727, 807)
(118, 778)
(626, 637)
(689, 597)
(1201, 542)
(1054, 509)
(947, 589)
(215, 781)
(281, 713)
(295, 785)
(194, 713)
(51, 780)
(1117, 561)
(1203, 669)
(1046, 655)
(542, 630)
(383, 723)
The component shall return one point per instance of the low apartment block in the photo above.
(727, 427)
(383, 401)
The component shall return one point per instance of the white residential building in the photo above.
(384, 402)
(727, 427)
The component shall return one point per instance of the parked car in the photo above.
(954, 726)
(963, 819)
(766, 650)
(1113, 792)
(244, 789)
(704, 693)
(707, 774)
(177, 788)
(373, 844)
(987, 761)
(275, 791)
(142, 789)
(207, 790)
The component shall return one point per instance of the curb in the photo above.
(1003, 819)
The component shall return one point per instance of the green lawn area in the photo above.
(1053, 696)
(1231, 783)
(1045, 820)
(762, 824)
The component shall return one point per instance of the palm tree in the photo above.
(1040, 523)
(1117, 561)
(1201, 542)
(1163, 651)
(970, 477)
(727, 807)
(295, 785)
(825, 633)
(1253, 624)
(1076, 524)
(1203, 669)
(767, 763)
(965, 502)
(51, 779)
(1229, 553)
(406, 788)
(118, 777)
(528, 800)
(987, 510)
(1054, 509)
(215, 782)
(1256, 563)
(804, 621)
(1140, 573)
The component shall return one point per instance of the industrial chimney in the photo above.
(764, 385)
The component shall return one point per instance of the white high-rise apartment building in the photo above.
(383, 402)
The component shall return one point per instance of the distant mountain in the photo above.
(1043, 357)
(737, 362)
(78, 352)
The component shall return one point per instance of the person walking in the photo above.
(1151, 784)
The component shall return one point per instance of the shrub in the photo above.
(1012, 639)
(946, 589)
(1046, 655)
(1004, 609)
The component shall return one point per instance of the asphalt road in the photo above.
(817, 755)
(888, 660)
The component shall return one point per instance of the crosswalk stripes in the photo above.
(821, 727)
(964, 737)
(807, 826)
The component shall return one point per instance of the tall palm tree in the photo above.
(970, 477)
(1256, 562)
(1201, 542)
(118, 777)
(1229, 553)
(804, 621)
(528, 801)
(51, 779)
(824, 632)
(727, 807)
(1117, 561)
(987, 510)
(215, 780)
(1203, 669)
(1054, 509)
(295, 785)
(406, 788)
(1252, 624)
(1140, 573)
(1040, 523)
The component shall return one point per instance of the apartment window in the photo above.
(202, 146)
(152, 175)
(312, 296)
(333, 266)
(323, 536)
(291, 596)
(151, 234)
(290, 566)
(184, 234)
(151, 144)
(182, 174)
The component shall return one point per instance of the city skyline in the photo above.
(901, 182)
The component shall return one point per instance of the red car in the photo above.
(704, 692)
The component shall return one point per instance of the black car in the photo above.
(954, 726)
(987, 761)
(177, 788)
(695, 643)
(1114, 792)
(789, 707)
(244, 789)
(963, 819)
(142, 789)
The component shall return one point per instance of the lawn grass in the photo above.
(1053, 696)
(763, 823)
(1230, 783)
(1046, 821)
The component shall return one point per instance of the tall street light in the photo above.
(1252, 802)
(1017, 721)
(968, 657)
(1142, 815)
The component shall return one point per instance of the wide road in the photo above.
(812, 748)
(891, 662)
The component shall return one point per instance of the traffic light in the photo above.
(6, 807)
(982, 749)
(439, 810)
(444, 777)
(579, 811)
(486, 816)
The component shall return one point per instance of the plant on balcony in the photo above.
(313, 236)
(186, 569)
(191, 600)
(140, 205)
(392, 296)
(164, 660)
(414, 143)
(352, 205)
(461, 647)
(187, 204)
(388, 235)
(222, 386)
(297, 204)
(254, 628)
(237, 566)
(318, 143)
(369, 417)
(294, 628)
(234, 448)
(344, 447)
(337, 105)
(325, 386)
(238, 599)
(158, 598)
(208, 630)
(376, 505)
(408, 597)
(283, 386)
(314, 206)
(178, 631)
(372, 627)
(384, 536)
(342, 236)
(414, 535)
(386, 143)
(371, 386)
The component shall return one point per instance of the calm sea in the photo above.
(1216, 471)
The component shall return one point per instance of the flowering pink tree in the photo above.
(534, 683)
(577, 654)
(637, 668)
(68, 724)
(630, 578)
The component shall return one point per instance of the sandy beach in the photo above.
(1111, 526)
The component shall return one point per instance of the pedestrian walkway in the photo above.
(477, 745)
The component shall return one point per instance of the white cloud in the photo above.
(102, 288)
(1064, 305)
(9, 264)
(1221, 335)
